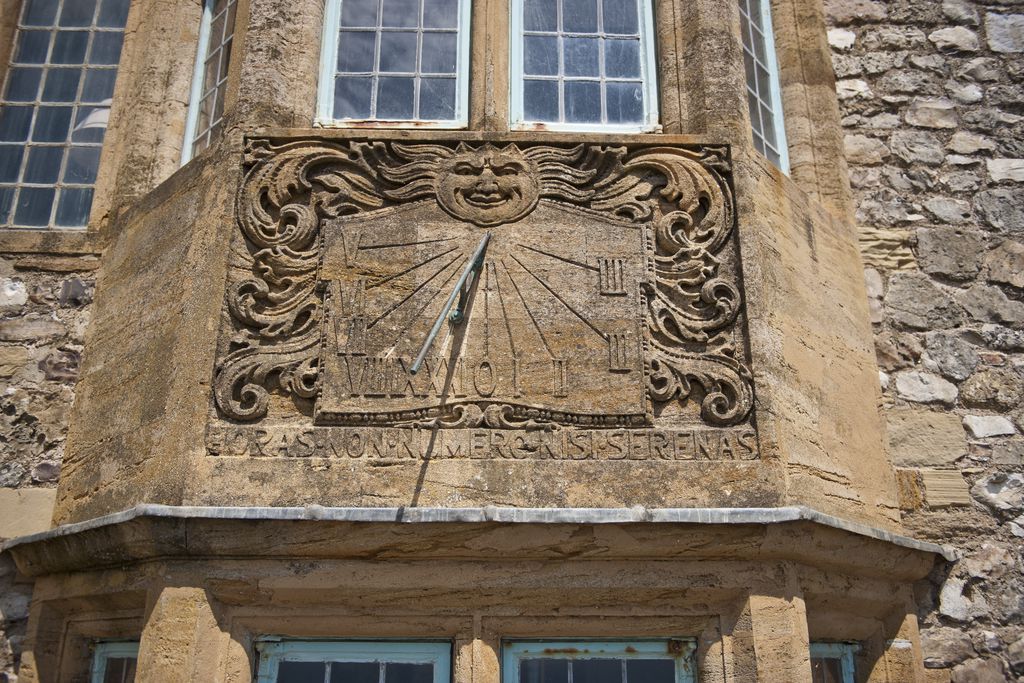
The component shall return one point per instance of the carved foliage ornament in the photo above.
(678, 197)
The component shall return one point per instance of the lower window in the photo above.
(114, 662)
(620, 661)
(291, 661)
(833, 662)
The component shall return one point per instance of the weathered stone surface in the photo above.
(917, 147)
(849, 11)
(865, 150)
(987, 670)
(952, 252)
(841, 39)
(956, 38)
(887, 249)
(25, 511)
(985, 426)
(932, 113)
(876, 290)
(13, 293)
(947, 210)
(1005, 264)
(925, 438)
(1006, 169)
(989, 562)
(952, 354)
(1002, 209)
(944, 647)
(46, 472)
(996, 388)
(915, 302)
(1005, 32)
(944, 488)
(32, 328)
(1002, 338)
(924, 387)
(960, 12)
(1000, 491)
(13, 359)
(989, 304)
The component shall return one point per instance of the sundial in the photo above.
(548, 327)
(513, 285)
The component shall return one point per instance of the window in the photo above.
(114, 662)
(763, 96)
(396, 61)
(646, 661)
(832, 662)
(354, 662)
(209, 80)
(583, 65)
(54, 111)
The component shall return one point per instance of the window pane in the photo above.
(90, 124)
(359, 13)
(581, 57)
(119, 669)
(10, 162)
(23, 84)
(540, 15)
(355, 51)
(622, 58)
(826, 670)
(583, 102)
(401, 13)
(408, 673)
(113, 13)
(440, 13)
(540, 100)
(301, 672)
(6, 202)
(395, 98)
(69, 47)
(77, 13)
(32, 47)
(540, 55)
(544, 671)
(597, 671)
(625, 102)
(40, 12)
(52, 124)
(106, 47)
(43, 164)
(579, 16)
(398, 52)
(61, 85)
(355, 672)
(437, 99)
(82, 165)
(620, 16)
(99, 85)
(439, 53)
(14, 123)
(352, 97)
(650, 670)
(34, 204)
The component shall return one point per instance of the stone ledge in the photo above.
(127, 536)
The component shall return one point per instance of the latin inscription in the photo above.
(402, 445)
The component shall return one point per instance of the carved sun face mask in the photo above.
(488, 186)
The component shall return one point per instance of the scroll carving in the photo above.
(679, 197)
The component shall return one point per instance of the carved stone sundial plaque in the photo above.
(606, 297)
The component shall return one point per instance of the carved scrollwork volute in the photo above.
(276, 309)
(692, 305)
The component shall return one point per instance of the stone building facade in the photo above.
(929, 108)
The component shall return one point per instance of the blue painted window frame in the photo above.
(648, 76)
(329, 57)
(273, 652)
(514, 651)
(103, 652)
(842, 651)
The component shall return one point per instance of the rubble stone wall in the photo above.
(932, 99)
(44, 308)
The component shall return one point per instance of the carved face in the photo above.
(488, 186)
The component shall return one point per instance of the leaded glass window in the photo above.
(383, 661)
(209, 82)
(114, 662)
(559, 661)
(399, 61)
(583, 65)
(55, 107)
(763, 96)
